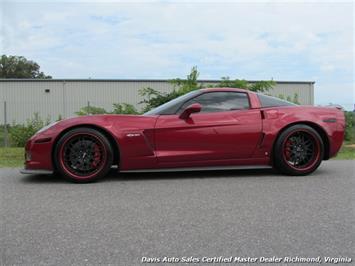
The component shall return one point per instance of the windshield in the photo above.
(172, 106)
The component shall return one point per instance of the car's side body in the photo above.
(229, 138)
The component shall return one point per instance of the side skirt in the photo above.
(188, 169)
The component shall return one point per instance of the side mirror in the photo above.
(193, 108)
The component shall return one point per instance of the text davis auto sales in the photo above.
(220, 259)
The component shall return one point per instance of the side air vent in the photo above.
(330, 120)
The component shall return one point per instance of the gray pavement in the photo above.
(47, 221)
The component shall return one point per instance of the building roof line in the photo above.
(141, 80)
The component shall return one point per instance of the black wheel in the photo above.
(298, 150)
(83, 155)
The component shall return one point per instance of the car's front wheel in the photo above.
(298, 150)
(83, 155)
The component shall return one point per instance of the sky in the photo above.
(262, 40)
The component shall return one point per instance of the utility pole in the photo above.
(6, 142)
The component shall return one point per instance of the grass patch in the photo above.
(2, 136)
(14, 157)
(11, 157)
(346, 153)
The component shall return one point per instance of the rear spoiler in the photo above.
(337, 106)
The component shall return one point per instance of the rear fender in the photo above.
(275, 120)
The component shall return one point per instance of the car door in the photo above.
(225, 128)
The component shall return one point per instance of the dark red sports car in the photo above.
(220, 128)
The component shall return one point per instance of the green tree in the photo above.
(183, 86)
(226, 82)
(91, 110)
(124, 108)
(295, 99)
(118, 108)
(154, 98)
(349, 126)
(259, 86)
(20, 67)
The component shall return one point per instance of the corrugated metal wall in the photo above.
(58, 97)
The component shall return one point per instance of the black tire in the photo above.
(298, 150)
(83, 155)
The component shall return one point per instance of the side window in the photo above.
(219, 101)
(268, 101)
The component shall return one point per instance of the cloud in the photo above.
(294, 41)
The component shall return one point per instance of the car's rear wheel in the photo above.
(298, 150)
(83, 155)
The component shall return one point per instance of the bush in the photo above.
(349, 126)
(91, 110)
(259, 86)
(154, 98)
(124, 108)
(60, 117)
(19, 134)
(118, 108)
(294, 100)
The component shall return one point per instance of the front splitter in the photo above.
(36, 172)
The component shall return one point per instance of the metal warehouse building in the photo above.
(21, 98)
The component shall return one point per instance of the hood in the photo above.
(108, 121)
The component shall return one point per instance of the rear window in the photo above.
(269, 101)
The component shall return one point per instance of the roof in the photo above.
(224, 89)
(140, 80)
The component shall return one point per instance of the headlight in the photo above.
(46, 127)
